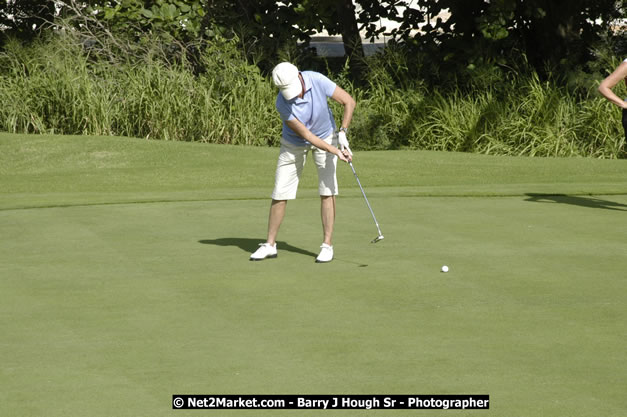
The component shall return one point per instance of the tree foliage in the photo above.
(552, 35)
(181, 20)
(25, 18)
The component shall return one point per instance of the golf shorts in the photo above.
(290, 167)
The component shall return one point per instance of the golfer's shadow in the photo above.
(589, 202)
(251, 245)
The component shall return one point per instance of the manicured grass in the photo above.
(41, 171)
(109, 307)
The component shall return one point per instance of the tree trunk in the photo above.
(350, 36)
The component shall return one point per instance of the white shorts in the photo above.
(290, 166)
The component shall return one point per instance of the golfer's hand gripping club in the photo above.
(343, 142)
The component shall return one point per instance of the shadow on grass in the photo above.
(251, 245)
(589, 202)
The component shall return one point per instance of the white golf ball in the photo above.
(444, 268)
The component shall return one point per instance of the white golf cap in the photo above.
(285, 76)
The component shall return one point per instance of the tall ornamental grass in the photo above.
(57, 86)
(497, 112)
(531, 118)
(63, 85)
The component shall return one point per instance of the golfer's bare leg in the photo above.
(277, 212)
(327, 211)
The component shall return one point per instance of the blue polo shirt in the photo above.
(312, 110)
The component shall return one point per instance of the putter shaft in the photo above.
(380, 236)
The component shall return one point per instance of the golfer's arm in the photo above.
(348, 102)
(302, 131)
(605, 88)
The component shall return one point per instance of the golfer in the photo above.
(610, 82)
(308, 125)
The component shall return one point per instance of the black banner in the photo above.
(331, 402)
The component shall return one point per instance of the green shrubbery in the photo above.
(58, 86)
(491, 110)
(529, 117)
(69, 86)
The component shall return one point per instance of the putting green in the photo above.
(109, 307)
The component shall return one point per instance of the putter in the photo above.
(380, 236)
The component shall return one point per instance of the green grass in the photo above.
(69, 170)
(109, 306)
(57, 86)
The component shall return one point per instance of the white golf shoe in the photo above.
(326, 254)
(265, 251)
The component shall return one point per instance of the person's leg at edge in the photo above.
(277, 212)
(327, 212)
(624, 145)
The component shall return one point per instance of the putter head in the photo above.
(378, 238)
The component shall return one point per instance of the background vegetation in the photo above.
(499, 77)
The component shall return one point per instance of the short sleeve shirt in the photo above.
(312, 110)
